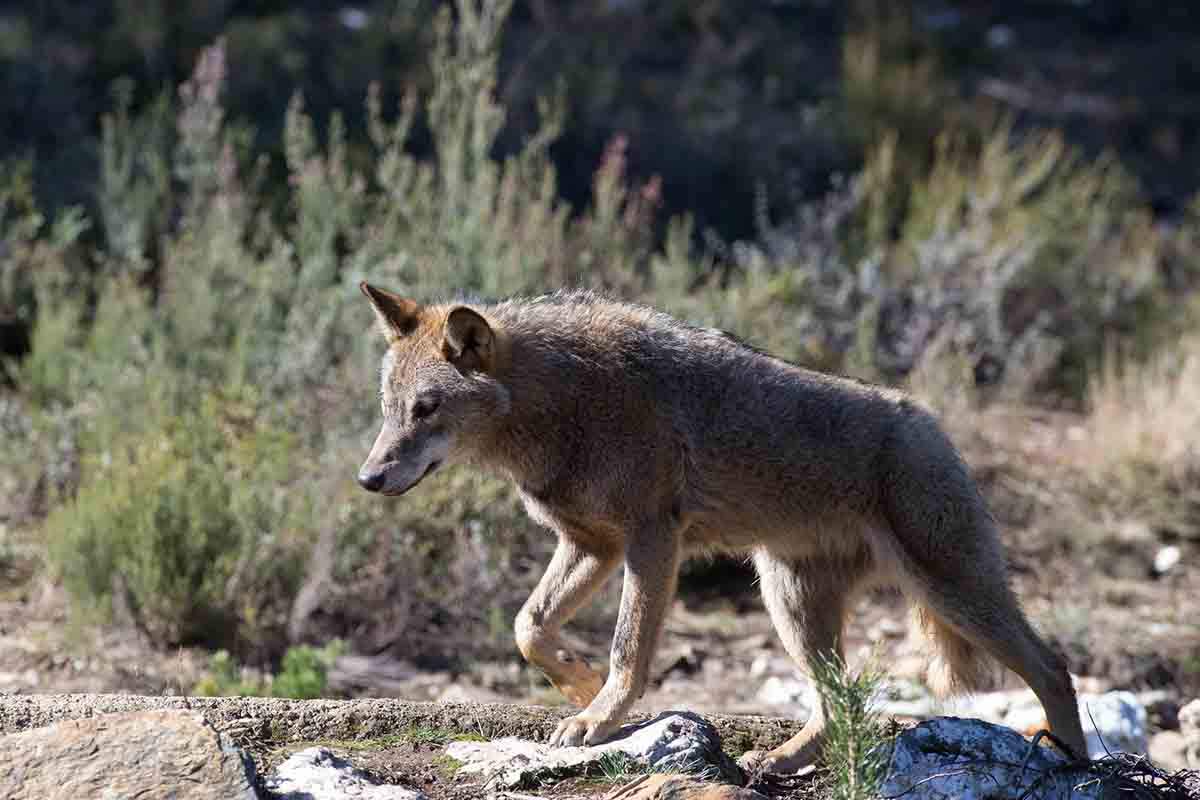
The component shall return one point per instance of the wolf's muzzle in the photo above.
(372, 481)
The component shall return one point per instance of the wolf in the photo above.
(641, 440)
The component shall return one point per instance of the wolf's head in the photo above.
(438, 389)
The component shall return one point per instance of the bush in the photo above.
(185, 480)
(303, 675)
(175, 525)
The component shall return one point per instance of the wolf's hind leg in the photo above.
(573, 576)
(807, 602)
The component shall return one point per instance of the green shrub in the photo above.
(185, 526)
(303, 675)
(305, 671)
(224, 679)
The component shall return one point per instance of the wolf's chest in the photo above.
(540, 512)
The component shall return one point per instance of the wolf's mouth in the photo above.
(433, 465)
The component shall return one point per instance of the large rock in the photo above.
(142, 754)
(673, 742)
(964, 759)
(1112, 722)
(1189, 726)
(317, 774)
(680, 787)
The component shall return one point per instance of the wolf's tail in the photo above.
(955, 665)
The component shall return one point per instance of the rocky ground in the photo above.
(120, 745)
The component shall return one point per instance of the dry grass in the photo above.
(1141, 448)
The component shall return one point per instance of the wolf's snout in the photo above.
(372, 481)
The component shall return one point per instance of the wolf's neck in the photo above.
(533, 439)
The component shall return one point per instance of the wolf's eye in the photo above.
(425, 407)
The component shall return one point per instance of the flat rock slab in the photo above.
(150, 754)
(278, 720)
(317, 774)
(681, 787)
(672, 742)
(965, 759)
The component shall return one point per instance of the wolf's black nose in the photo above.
(372, 481)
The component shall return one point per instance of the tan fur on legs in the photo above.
(807, 601)
(572, 577)
(956, 665)
(651, 572)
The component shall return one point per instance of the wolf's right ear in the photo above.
(396, 316)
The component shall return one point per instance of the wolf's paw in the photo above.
(582, 729)
(789, 759)
(751, 761)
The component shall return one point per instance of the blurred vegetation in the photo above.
(191, 389)
(303, 675)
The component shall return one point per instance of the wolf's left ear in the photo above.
(396, 315)
(468, 339)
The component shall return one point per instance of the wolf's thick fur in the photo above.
(640, 439)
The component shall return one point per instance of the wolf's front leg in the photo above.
(651, 570)
(572, 577)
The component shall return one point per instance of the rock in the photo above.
(1168, 749)
(671, 742)
(1162, 708)
(286, 720)
(777, 691)
(680, 787)
(140, 754)
(1113, 722)
(317, 774)
(907, 699)
(1166, 559)
(1189, 727)
(962, 759)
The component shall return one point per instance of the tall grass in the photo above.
(1140, 450)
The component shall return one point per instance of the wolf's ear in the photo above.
(396, 315)
(468, 339)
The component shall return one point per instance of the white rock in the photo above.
(899, 697)
(1113, 722)
(1189, 726)
(760, 665)
(960, 759)
(672, 742)
(1166, 558)
(1168, 749)
(777, 691)
(317, 774)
